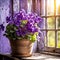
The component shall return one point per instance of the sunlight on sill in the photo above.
(42, 57)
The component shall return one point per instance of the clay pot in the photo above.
(21, 47)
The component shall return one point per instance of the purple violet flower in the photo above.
(22, 24)
(7, 19)
(2, 27)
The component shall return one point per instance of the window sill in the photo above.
(35, 56)
(51, 53)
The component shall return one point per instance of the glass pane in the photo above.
(51, 23)
(16, 6)
(43, 37)
(29, 5)
(58, 23)
(50, 7)
(43, 7)
(51, 38)
(58, 7)
(58, 42)
(42, 24)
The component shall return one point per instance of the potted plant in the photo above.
(22, 31)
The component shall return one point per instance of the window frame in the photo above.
(50, 49)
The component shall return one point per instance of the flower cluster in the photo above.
(1, 27)
(22, 26)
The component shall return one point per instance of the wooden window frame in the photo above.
(50, 49)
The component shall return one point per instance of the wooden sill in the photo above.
(51, 53)
(35, 56)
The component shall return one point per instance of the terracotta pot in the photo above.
(21, 47)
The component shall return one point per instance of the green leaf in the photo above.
(24, 21)
(32, 37)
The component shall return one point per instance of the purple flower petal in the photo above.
(2, 27)
(8, 19)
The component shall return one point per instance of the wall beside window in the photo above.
(6, 10)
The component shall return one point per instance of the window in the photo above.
(50, 12)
